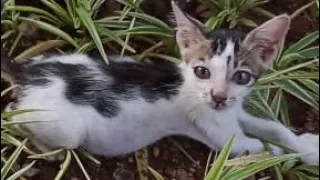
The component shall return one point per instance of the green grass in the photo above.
(78, 28)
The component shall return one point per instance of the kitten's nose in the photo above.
(219, 98)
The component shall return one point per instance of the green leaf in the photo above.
(284, 113)
(104, 32)
(51, 29)
(310, 53)
(59, 11)
(112, 23)
(84, 171)
(303, 176)
(155, 174)
(7, 34)
(254, 168)
(312, 85)
(212, 23)
(289, 165)
(6, 115)
(309, 169)
(276, 103)
(39, 49)
(294, 89)
(46, 155)
(264, 12)
(306, 41)
(246, 160)
(64, 166)
(215, 172)
(152, 20)
(248, 22)
(269, 78)
(31, 9)
(87, 21)
(19, 173)
(130, 4)
(13, 158)
(4, 92)
(146, 30)
(301, 10)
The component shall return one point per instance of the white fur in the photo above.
(141, 123)
(66, 59)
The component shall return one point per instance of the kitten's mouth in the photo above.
(218, 106)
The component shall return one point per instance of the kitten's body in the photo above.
(122, 107)
(133, 114)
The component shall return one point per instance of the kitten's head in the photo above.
(223, 66)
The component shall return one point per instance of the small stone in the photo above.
(192, 170)
(31, 172)
(130, 160)
(122, 174)
(156, 152)
(190, 174)
(119, 164)
(170, 173)
(182, 174)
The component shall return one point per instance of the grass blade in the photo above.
(254, 168)
(31, 9)
(6, 115)
(45, 155)
(4, 92)
(51, 29)
(151, 20)
(13, 158)
(89, 24)
(155, 174)
(39, 49)
(307, 40)
(19, 173)
(59, 11)
(64, 166)
(81, 165)
(296, 90)
(217, 168)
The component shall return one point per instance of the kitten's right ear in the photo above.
(188, 33)
(264, 41)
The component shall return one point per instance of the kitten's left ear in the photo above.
(264, 42)
(190, 32)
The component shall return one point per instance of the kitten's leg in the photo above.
(253, 146)
(307, 143)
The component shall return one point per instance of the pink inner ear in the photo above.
(268, 53)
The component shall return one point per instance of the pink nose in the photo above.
(219, 98)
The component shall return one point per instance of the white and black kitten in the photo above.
(119, 108)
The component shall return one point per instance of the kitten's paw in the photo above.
(277, 150)
(311, 139)
(310, 144)
(311, 159)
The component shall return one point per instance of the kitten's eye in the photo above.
(202, 72)
(242, 78)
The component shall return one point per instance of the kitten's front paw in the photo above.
(310, 143)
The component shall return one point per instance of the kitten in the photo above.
(119, 108)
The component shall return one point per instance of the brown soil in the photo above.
(166, 158)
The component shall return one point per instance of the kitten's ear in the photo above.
(189, 31)
(264, 41)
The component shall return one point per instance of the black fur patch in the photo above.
(220, 38)
(104, 86)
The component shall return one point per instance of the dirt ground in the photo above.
(168, 159)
